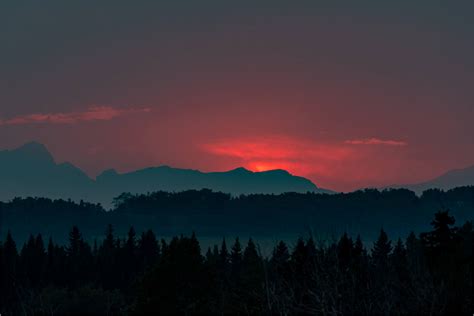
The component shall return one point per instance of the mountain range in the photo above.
(449, 180)
(31, 170)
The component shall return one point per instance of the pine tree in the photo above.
(224, 254)
(209, 257)
(75, 242)
(149, 248)
(300, 274)
(51, 261)
(381, 250)
(281, 255)
(79, 259)
(109, 241)
(8, 271)
(250, 256)
(252, 280)
(279, 277)
(131, 242)
(215, 252)
(195, 248)
(10, 254)
(360, 276)
(414, 250)
(345, 252)
(399, 254)
(299, 260)
(223, 278)
(236, 261)
(442, 237)
(236, 254)
(108, 260)
(380, 275)
(39, 243)
(95, 248)
(32, 260)
(298, 255)
(359, 249)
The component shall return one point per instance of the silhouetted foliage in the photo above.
(218, 214)
(425, 274)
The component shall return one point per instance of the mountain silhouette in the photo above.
(449, 180)
(31, 170)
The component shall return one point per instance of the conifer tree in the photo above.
(345, 252)
(149, 248)
(236, 257)
(224, 254)
(75, 242)
(281, 255)
(381, 250)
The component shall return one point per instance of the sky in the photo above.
(347, 94)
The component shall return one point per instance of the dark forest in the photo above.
(217, 215)
(425, 274)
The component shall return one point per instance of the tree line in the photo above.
(140, 274)
(219, 214)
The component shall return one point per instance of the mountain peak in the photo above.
(41, 176)
(36, 151)
(32, 145)
(448, 180)
(276, 172)
(240, 170)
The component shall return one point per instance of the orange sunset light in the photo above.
(265, 166)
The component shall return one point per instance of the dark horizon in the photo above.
(466, 178)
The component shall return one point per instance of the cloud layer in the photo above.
(376, 141)
(93, 113)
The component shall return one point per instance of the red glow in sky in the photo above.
(345, 96)
(295, 155)
(346, 161)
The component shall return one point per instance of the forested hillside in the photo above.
(425, 274)
(215, 214)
